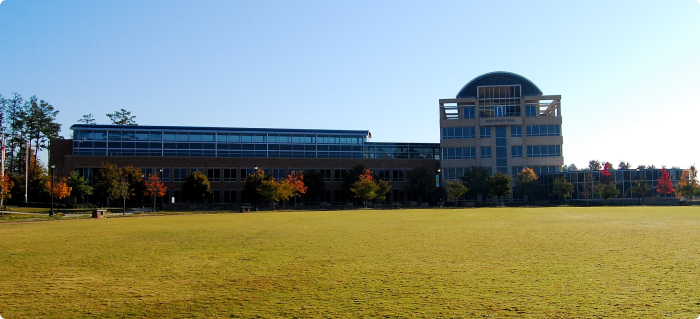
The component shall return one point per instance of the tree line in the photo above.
(29, 125)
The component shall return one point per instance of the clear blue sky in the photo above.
(628, 71)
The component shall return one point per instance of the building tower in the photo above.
(503, 122)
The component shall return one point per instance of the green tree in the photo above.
(133, 176)
(527, 183)
(640, 189)
(16, 188)
(420, 184)
(594, 165)
(88, 119)
(456, 190)
(587, 185)
(79, 186)
(351, 176)
(124, 192)
(606, 191)
(500, 186)
(40, 124)
(365, 188)
(253, 182)
(383, 188)
(624, 165)
(562, 187)
(315, 185)
(569, 168)
(37, 179)
(108, 182)
(16, 110)
(476, 178)
(271, 191)
(196, 187)
(122, 117)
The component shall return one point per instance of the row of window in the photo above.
(543, 150)
(179, 174)
(454, 173)
(449, 133)
(492, 108)
(515, 151)
(512, 108)
(458, 152)
(453, 113)
(485, 131)
(113, 135)
(544, 130)
(378, 150)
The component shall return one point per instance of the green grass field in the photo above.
(632, 262)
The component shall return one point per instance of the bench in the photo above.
(99, 213)
(245, 209)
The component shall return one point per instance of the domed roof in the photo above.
(499, 78)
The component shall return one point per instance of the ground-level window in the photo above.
(229, 174)
(214, 174)
(179, 174)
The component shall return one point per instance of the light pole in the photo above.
(255, 174)
(439, 186)
(52, 187)
(161, 198)
(142, 176)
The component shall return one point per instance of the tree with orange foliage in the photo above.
(295, 183)
(5, 185)
(688, 187)
(60, 188)
(154, 187)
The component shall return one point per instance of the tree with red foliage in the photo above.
(155, 188)
(664, 183)
(295, 182)
(606, 174)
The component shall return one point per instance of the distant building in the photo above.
(624, 179)
(503, 122)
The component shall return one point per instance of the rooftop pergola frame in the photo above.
(547, 105)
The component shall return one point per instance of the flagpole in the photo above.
(26, 174)
(2, 174)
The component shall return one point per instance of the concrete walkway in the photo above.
(68, 214)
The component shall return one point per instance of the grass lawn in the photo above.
(602, 262)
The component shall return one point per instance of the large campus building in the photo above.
(503, 122)
(500, 120)
(228, 155)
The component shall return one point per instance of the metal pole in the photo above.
(142, 181)
(161, 198)
(2, 198)
(256, 187)
(52, 187)
(26, 174)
